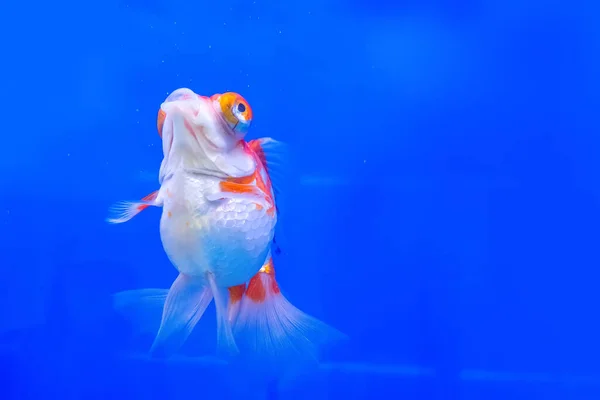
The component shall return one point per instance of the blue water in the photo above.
(442, 209)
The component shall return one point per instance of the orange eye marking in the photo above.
(247, 113)
(227, 100)
(230, 100)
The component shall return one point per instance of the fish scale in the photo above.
(229, 239)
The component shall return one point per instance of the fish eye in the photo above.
(235, 111)
(242, 111)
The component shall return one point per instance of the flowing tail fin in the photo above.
(269, 327)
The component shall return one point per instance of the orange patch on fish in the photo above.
(268, 268)
(256, 290)
(274, 286)
(236, 187)
(169, 214)
(244, 180)
(236, 293)
(152, 196)
(253, 184)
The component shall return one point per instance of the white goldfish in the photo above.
(218, 221)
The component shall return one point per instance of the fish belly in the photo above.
(229, 238)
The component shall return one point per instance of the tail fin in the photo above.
(268, 326)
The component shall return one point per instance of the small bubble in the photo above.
(68, 154)
(209, 46)
(137, 110)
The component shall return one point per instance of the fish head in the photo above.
(204, 134)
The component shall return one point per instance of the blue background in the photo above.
(442, 210)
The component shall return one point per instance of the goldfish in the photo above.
(219, 212)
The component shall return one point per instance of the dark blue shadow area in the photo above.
(442, 209)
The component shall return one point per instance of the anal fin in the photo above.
(185, 303)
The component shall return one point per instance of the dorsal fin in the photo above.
(274, 157)
(272, 154)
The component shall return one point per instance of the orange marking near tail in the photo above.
(268, 267)
(256, 290)
(236, 293)
(274, 286)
